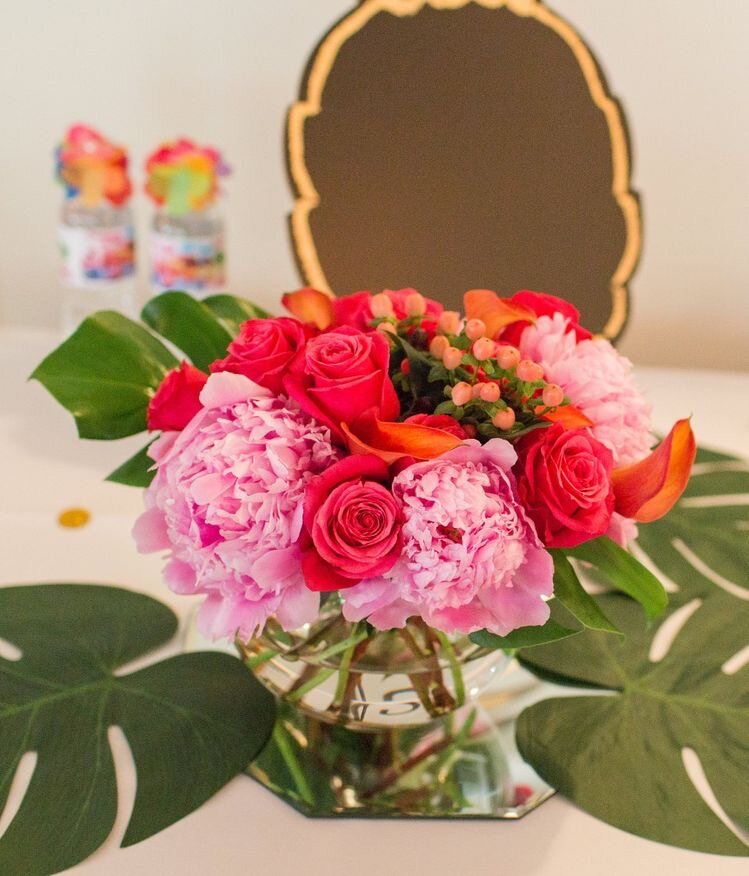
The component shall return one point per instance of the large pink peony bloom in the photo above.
(227, 500)
(598, 380)
(471, 557)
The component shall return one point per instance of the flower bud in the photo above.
(490, 392)
(529, 371)
(449, 322)
(504, 420)
(553, 395)
(483, 349)
(438, 345)
(508, 357)
(452, 357)
(416, 304)
(386, 328)
(462, 393)
(381, 306)
(475, 329)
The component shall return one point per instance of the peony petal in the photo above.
(224, 388)
(496, 312)
(310, 305)
(150, 532)
(392, 441)
(298, 606)
(648, 489)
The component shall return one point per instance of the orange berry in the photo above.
(438, 345)
(483, 349)
(504, 420)
(416, 304)
(381, 306)
(449, 322)
(508, 357)
(462, 393)
(529, 371)
(553, 395)
(490, 392)
(452, 357)
(475, 329)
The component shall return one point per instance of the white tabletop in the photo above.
(244, 828)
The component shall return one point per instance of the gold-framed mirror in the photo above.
(457, 144)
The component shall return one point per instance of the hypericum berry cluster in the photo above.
(486, 385)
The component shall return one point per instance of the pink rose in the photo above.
(564, 483)
(340, 374)
(543, 304)
(263, 350)
(177, 399)
(353, 310)
(439, 421)
(353, 524)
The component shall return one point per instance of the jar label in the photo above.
(92, 255)
(193, 264)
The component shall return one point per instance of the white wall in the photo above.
(224, 72)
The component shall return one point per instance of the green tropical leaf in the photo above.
(134, 472)
(188, 324)
(105, 374)
(623, 757)
(624, 572)
(192, 721)
(524, 637)
(233, 311)
(569, 591)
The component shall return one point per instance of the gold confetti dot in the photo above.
(73, 518)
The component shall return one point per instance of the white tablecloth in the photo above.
(244, 828)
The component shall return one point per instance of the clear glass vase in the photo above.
(384, 723)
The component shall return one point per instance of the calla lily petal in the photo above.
(569, 416)
(648, 489)
(393, 441)
(310, 305)
(495, 312)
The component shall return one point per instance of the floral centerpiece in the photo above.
(375, 488)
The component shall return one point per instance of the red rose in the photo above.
(439, 421)
(352, 522)
(353, 310)
(263, 350)
(340, 374)
(543, 305)
(176, 401)
(564, 483)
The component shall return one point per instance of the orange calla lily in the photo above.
(649, 489)
(495, 312)
(310, 305)
(392, 441)
(569, 416)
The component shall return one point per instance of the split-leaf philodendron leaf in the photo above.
(192, 721)
(627, 757)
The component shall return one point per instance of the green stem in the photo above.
(357, 635)
(318, 678)
(283, 745)
(345, 665)
(457, 674)
(258, 659)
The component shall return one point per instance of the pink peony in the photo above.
(471, 558)
(598, 381)
(227, 501)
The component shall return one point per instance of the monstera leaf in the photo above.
(192, 721)
(678, 708)
(108, 370)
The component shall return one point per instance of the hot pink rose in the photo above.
(177, 399)
(543, 304)
(353, 524)
(564, 483)
(439, 421)
(353, 310)
(340, 374)
(263, 350)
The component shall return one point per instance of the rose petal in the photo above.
(649, 489)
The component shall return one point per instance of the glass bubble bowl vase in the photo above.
(385, 724)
